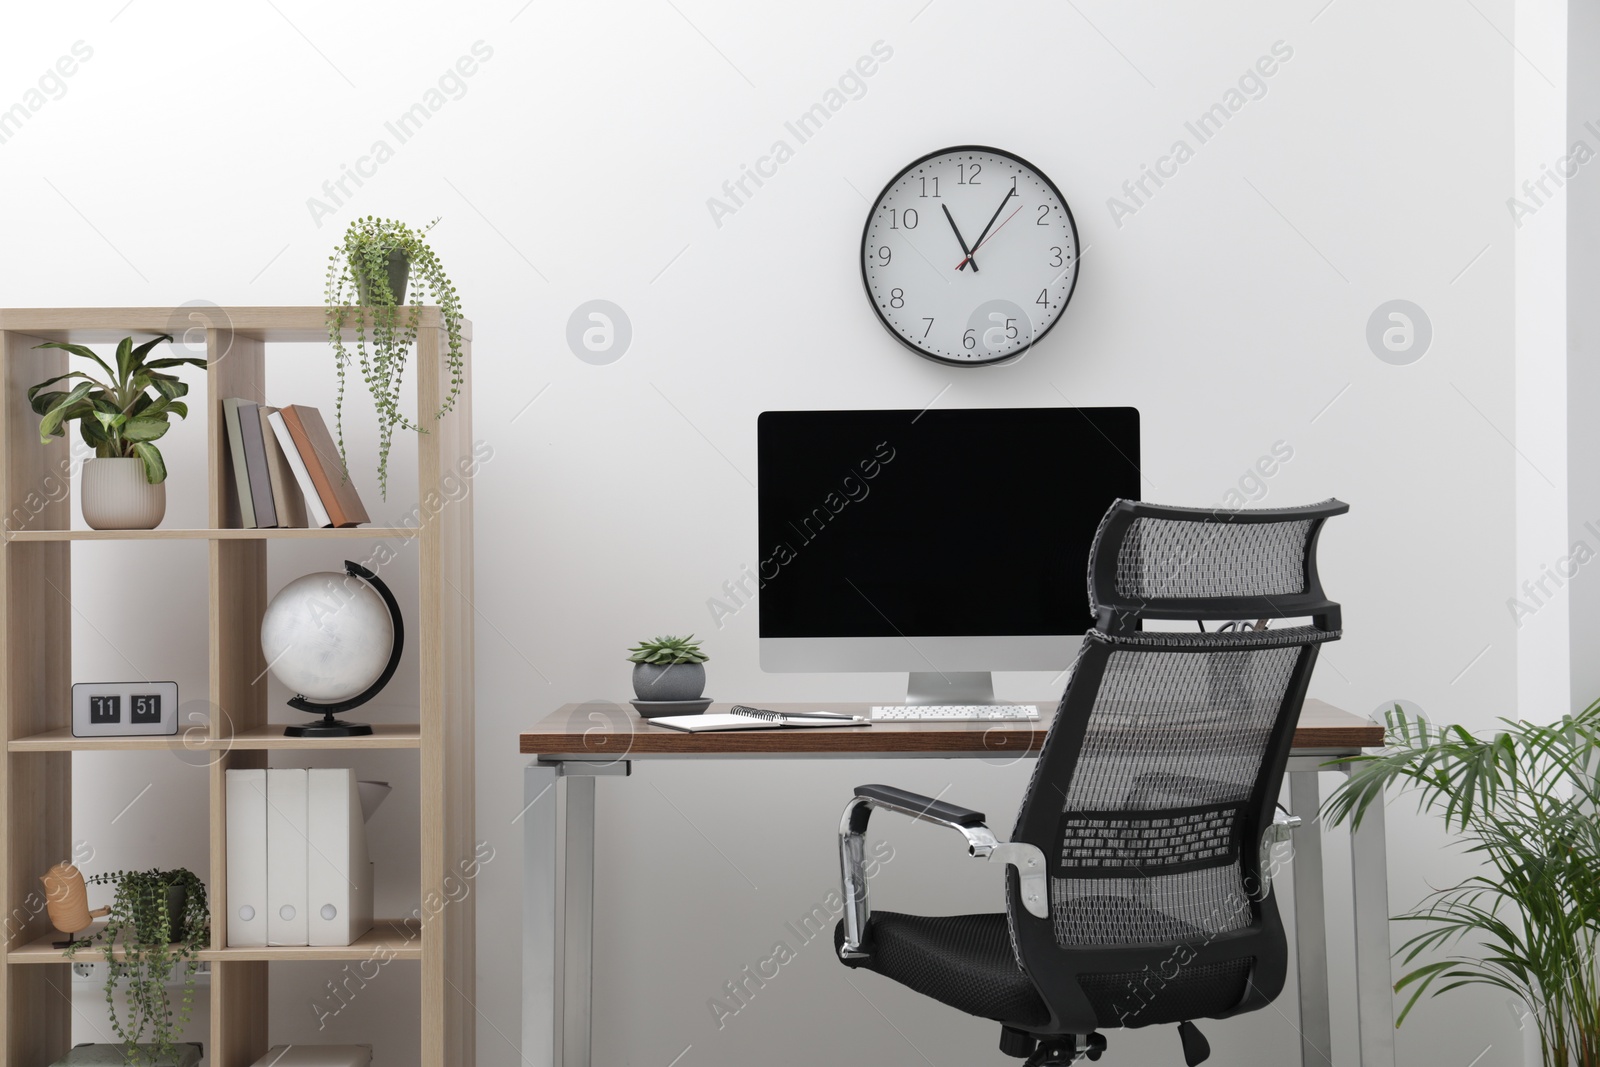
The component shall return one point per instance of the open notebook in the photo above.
(743, 718)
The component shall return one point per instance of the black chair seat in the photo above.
(964, 961)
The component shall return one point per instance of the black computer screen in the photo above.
(938, 523)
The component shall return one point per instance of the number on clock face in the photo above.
(970, 255)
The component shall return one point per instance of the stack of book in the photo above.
(298, 868)
(286, 468)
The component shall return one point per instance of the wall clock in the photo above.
(970, 255)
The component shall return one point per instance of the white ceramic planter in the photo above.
(117, 497)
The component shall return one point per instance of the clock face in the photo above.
(970, 255)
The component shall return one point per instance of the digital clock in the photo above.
(124, 709)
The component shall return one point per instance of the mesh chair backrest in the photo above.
(1155, 562)
(1163, 766)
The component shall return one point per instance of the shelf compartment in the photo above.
(388, 937)
(270, 736)
(356, 533)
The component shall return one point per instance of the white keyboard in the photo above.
(954, 712)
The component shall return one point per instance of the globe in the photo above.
(327, 636)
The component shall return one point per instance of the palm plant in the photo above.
(1527, 803)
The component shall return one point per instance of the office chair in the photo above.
(1138, 876)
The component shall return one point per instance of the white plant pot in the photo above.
(117, 497)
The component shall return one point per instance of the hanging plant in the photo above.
(159, 921)
(368, 275)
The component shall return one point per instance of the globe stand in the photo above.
(330, 726)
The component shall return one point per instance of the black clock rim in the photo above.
(872, 211)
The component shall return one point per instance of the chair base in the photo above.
(1054, 1051)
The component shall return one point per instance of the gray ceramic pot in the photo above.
(399, 274)
(177, 904)
(669, 681)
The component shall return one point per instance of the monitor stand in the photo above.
(950, 687)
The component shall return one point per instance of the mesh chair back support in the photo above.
(1162, 770)
(1155, 562)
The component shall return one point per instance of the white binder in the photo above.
(247, 858)
(339, 881)
(286, 856)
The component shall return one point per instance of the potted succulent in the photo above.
(668, 668)
(368, 275)
(120, 416)
(1524, 802)
(159, 920)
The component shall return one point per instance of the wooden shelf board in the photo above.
(384, 735)
(356, 533)
(110, 325)
(62, 741)
(42, 951)
(388, 937)
(270, 736)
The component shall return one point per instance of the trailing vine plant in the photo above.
(366, 286)
(143, 949)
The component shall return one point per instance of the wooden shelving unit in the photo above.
(36, 679)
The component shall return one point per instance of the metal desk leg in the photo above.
(558, 910)
(1310, 921)
(1374, 978)
(541, 966)
(577, 959)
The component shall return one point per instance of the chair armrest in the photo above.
(981, 843)
(1279, 831)
(918, 806)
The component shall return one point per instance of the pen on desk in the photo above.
(829, 715)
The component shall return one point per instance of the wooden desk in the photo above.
(579, 742)
(601, 731)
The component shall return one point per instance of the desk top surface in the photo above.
(600, 730)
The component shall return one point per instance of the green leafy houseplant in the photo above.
(143, 947)
(664, 651)
(366, 287)
(124, 413)
(1527, 803)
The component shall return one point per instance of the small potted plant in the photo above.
(668, 669)
(159, 921)
(368, 275)
(120, 416)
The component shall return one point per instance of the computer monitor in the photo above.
(948, 543)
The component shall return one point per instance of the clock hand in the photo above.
(989, 238)
(1003, 202)
(959, 239)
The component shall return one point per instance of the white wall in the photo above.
(1231, 309)
(1583, 383)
